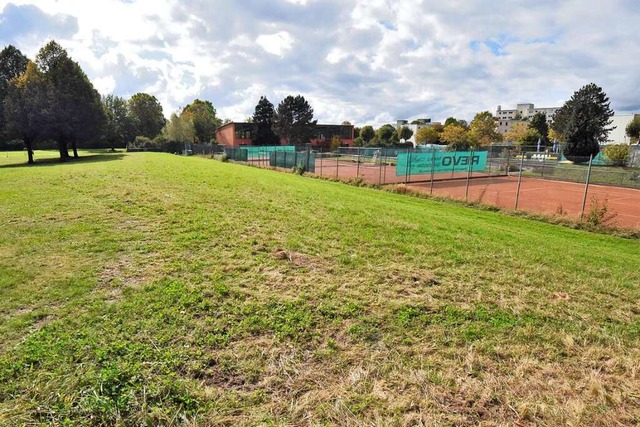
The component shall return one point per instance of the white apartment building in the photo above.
(619, 134)
(418, 124)
(522, 113)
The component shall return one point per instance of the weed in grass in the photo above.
(598, 213)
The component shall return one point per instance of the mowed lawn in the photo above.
(153, 289)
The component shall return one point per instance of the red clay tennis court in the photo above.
(536, 195)
(543, 196)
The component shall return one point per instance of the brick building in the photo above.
(236, 134)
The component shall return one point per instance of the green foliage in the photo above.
(539, 123)
(385, 135)
(456, 137)
(179, 128)
(28, 107)
(146, 115)
(453, 121)
(483, 131)
(367, 133)
(584, 122)
(617, 154)
(203, 117)
(404, 133)
(359, 142)
(77, 111)
(119, 128)
(263, 118)
(428, 135)
(293, 120)
(299, 169)
(633, 129)
(12, 64)
(598, 213)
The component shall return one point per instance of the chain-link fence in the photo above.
(527, 178)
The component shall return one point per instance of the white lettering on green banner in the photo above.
(441, 161)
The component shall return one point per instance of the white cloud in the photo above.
(276, 44)
(366, 61)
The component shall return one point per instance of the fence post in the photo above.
(321, 161)
(466, 191)
(406, 168)
(380, 168)
(519, 179)
(453, 167)
(433, 166)
(337, 154)
(544, 158)
(508, 161)
(586, 188)
(384, 165)
(358, 163)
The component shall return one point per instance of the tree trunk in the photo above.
(75, 149)
(28, 143)
(62, 148)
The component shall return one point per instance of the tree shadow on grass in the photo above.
(55, 161)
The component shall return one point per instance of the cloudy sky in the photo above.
(366, 61)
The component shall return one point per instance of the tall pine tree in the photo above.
(584, 122)
(263, 117)
(294, 120)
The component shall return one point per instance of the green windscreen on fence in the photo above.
(288, 159)
(237, 154)
(261, 152)
(441, 161)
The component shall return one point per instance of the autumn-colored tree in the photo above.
(428, 135)
(456, 137)
(483, 129)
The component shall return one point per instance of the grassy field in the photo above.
(152, 289)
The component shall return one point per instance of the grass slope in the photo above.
(156, 289)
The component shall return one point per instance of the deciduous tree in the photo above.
(367, 133)
(77, 109)
(28, 105)
(453, 121)
(146, 115)
(386, 135)
(203, 116)
(428, 135)
(119, 129)
(12, 64)
(405, 133)
(456, 137)
(633, 129)
(179, 128)
(483, 129)
(539, 123)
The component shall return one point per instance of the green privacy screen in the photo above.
(440, 161)
(237, 154)
(289, 159)
(260, 152)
